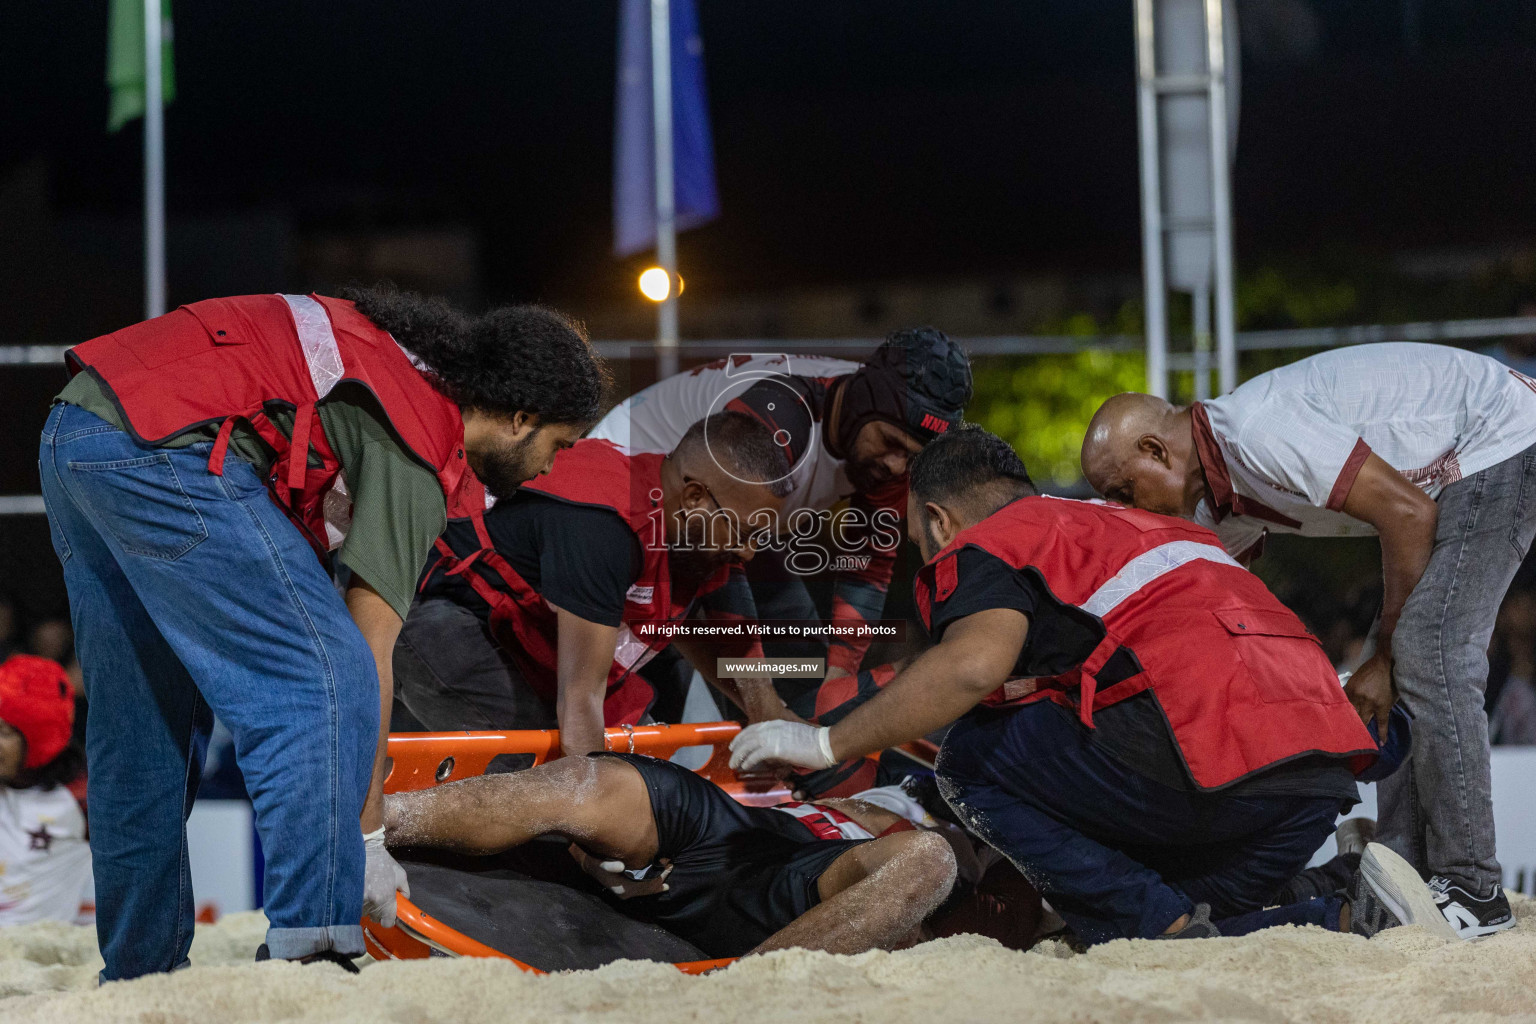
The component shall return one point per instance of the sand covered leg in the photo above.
(599, 803)
(873, 896)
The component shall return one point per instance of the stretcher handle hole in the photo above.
(445, 769)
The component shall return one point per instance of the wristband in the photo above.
(824, 742)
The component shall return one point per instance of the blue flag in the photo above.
(634, 168)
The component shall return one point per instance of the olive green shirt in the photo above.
(398, 509)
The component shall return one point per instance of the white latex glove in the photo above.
(621, 881)
(382, 876)
(795, 743)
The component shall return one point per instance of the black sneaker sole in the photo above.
(1395, 882)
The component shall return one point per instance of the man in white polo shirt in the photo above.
(1433, 450)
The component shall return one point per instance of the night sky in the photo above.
(855, 141)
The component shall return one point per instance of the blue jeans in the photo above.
(1116, 854)
(191, 595)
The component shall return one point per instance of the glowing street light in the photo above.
(656, 285)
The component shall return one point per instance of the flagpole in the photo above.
(154, 163)
(666, 194)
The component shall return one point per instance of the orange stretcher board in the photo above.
(423, 760)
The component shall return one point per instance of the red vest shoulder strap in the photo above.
(429, 423)
(222, 360)
(595, 472)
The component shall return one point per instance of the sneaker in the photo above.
(1199, 926)
(1355, 834)
(1388, 892)
(1472, 917)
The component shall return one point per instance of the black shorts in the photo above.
(739, 873)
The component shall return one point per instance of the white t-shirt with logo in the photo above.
(45, 861)
(1282, 451)
(655, 419)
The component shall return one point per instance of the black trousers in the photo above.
(450, 674)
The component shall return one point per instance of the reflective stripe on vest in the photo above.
(318, 341)
(412, 356)
(630, 651)
(322, 357)
(1148, 566)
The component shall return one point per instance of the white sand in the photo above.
(47, 976)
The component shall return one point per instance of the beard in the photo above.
(689, 566)
(505, 468)
(930, 544)
(866, 476)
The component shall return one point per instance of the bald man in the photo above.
(1429, 448)
(551, 625)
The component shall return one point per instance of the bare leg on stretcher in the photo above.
(874, 895)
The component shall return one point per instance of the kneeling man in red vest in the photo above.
(1152, 738)
(587, 570)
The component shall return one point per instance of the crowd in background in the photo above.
(53, 638)
(1512, 669)
(1343, 622)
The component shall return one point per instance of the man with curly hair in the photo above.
(193, 468)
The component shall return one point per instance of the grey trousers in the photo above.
(451, 675)
(1437, 811)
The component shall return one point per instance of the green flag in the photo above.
(125, 60)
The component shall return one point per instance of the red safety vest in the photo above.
(224, 360)
(599, 475)
(1242, 683)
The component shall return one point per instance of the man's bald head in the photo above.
(1139, 450)
(722, 488)
(1115, 428)
(732, 450)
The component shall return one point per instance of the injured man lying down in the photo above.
(672, 849)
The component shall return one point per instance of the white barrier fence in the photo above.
(221, 844)
(1514, 815)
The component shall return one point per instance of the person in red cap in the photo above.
(45, 863)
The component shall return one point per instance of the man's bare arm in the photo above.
(380, 626)
(585, 655)
(976, 656)
(1405, 519)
